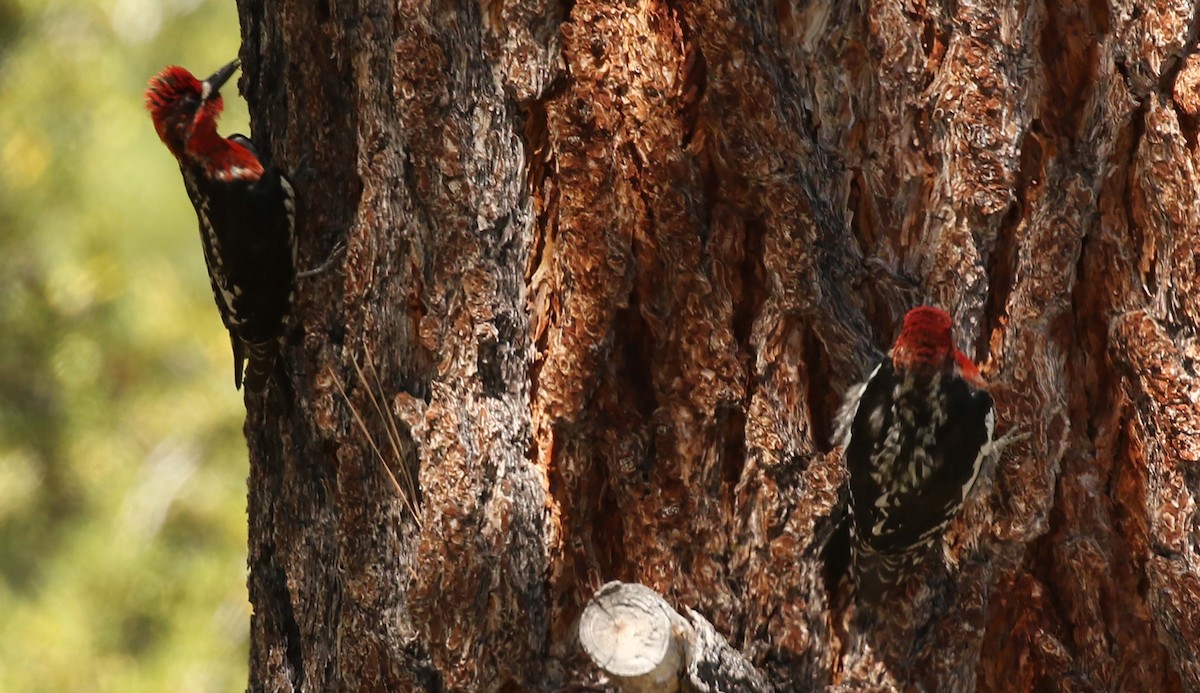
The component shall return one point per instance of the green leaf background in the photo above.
(122, 465)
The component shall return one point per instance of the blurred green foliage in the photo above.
(122, 466)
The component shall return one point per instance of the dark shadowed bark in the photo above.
(610, 267)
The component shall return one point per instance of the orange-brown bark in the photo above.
(609, 269)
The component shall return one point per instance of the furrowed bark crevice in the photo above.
(609, 270)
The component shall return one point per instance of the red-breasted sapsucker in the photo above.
(915, 435)
(247, 217)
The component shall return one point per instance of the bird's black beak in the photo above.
(212, 85)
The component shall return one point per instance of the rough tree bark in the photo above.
(609, 268)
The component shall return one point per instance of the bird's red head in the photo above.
(926, 346)
(926, 341)
(185, 109)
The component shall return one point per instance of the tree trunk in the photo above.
(609, 269)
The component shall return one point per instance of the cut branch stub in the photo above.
(630, 632)
(634, 636)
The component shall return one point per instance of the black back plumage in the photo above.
(913, 452)
(246, 228)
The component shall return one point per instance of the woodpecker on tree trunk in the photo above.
(247, 217)
(914, 437)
